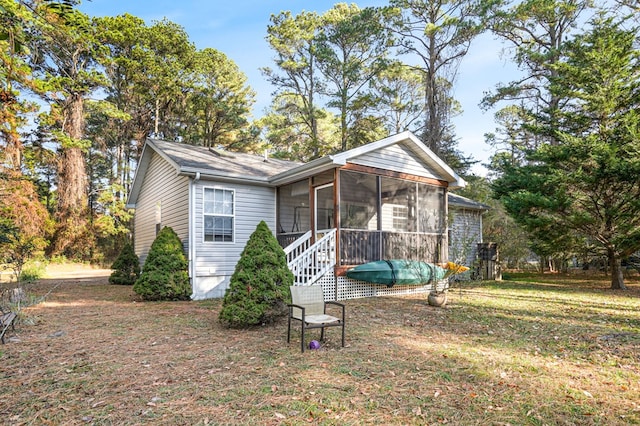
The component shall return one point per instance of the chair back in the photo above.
(311, 297)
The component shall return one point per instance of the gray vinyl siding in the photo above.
(215, 262)
(164, 188)
(398, 159)
(465, 232)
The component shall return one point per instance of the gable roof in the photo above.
(407, 139)
(206, 163)
(190, 159)
(461, 202)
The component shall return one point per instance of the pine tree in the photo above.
(164, 275)
(259, 287)
(126, 268)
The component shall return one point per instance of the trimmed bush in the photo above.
(164, 274)
(126, 268)
(258, 292)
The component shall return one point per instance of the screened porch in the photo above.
(377, 215)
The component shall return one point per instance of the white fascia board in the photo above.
(420, 148)
(344, 157)
(191, 172)
(306, 170)
(455, 181)
(138, 176)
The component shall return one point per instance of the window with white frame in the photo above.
(218, 214)
(400, 218)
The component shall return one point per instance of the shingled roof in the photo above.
(459, 201)
(207, 163)
(190, 159)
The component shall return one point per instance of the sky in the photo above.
(238, 29)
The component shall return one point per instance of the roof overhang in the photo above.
(338, 160)
(303, 171)
(198, 174)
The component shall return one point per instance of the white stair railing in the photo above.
(297, 247)
(310, 264)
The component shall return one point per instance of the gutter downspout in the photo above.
(192, 232)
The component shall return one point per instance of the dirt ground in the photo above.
(94, 353)
(89, 353)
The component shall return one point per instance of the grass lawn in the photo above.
(534, 350)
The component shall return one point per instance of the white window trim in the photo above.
(233, 216)
(400, 213)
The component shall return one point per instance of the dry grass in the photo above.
(561, 351)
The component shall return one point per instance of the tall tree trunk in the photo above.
(12, 150)
(9, 131)
(617, 279)
(311, 110)
(72, 238)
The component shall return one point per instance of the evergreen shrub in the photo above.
(258, 292)
(126, 267)
(164, 274)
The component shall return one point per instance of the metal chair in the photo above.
(308, 306)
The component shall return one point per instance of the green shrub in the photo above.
(164, 274)
(32, 271)
(126, 268)
(259, 288)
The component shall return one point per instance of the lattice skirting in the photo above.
(343, 288)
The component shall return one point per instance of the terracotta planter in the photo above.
(437, 299)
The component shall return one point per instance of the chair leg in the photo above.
(322, 334)
(302, 338)
(289, 330)
(343, 334)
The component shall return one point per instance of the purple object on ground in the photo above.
(314, 344)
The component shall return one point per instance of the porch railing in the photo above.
(288, 238)
(310, 264)
(298, 246)
(362, 246)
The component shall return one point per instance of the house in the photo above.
(383, 200)
(464, 230)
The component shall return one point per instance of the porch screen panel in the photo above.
(358, 201)
(357, 247)
(293, 208)
(398, 201)
(431, 214)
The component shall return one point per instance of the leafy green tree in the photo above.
(438, 33)
(126, 267)
(64, 39)
(352, 49)
(259, 287)
(164, 273)
(296, 78)
(148, 71)
(15, 76)
(121, 122)
(586, 185)
(511, 139)
(497, 225)
(218, 103)
(534, 31)
(112, 221)
(398, 91)
(287, 136)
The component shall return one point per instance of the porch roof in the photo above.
(458, 201)
(407, 139)
(208, 163)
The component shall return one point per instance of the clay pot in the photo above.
(438, 299)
